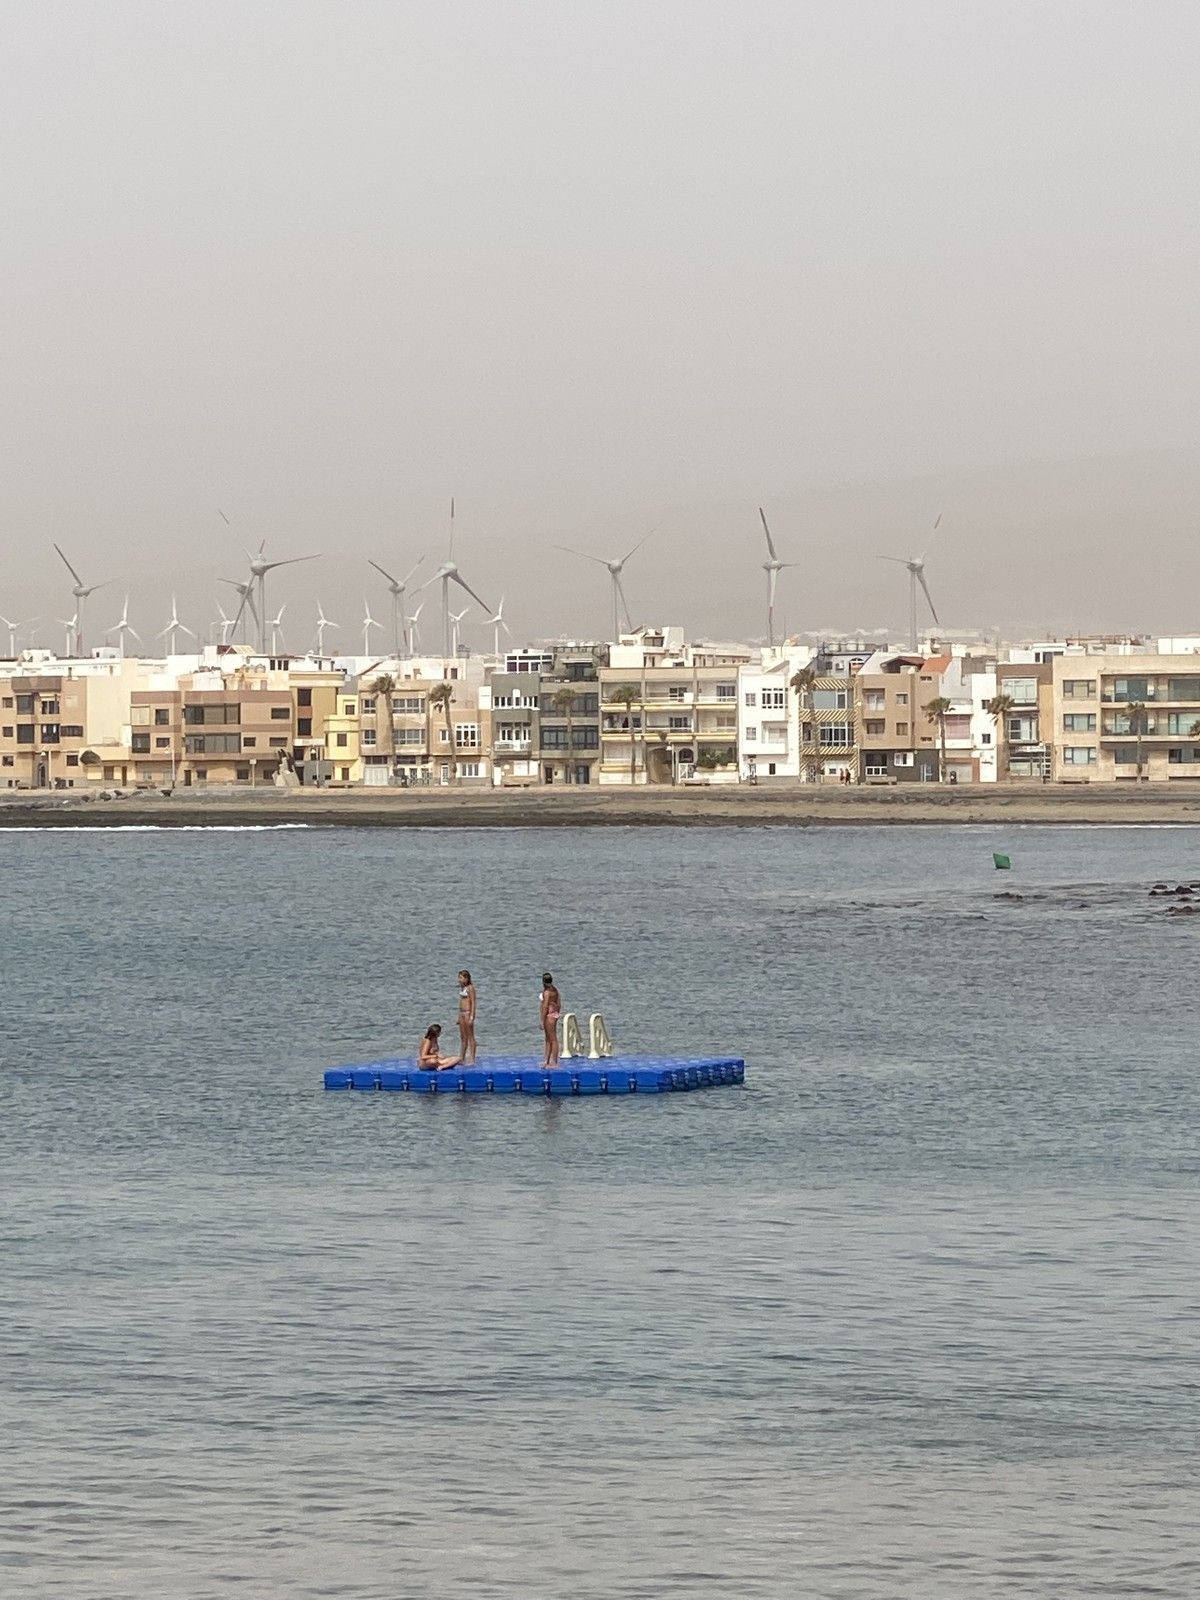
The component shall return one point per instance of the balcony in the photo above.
(512, 746)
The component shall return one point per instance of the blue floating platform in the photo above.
(521, 1075)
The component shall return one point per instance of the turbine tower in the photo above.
(71, 624)
(259, 567)
(411, 627)
(80, 592)
(227, 624)
(916, 576)
(276, 626)
(397, 588)
(175, 626)
(772, 567)
(455, 618)
(245, 603)
(447, 574)
(615, 568)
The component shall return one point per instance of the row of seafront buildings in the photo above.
(652, 708)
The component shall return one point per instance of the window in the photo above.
(25, 733)
(162, 715)
(50, 733)
(676, 691)
(242, 774)
(874, 700)
(348, 708)
(368, 739)
(470, 769)
(304, 697)
(512, 733)
(1125, 755)
(410, 736)
(50, 708)
(24, 705)
(408, 705)
(585, 738)
(875, 767)
(249, 741)
(834, 733)
(902, 699)
(9, 762)
(751, 698)
(212, 744)
(340, 740)
(902, 758)
(1186, 722)
(1079, 722)
(466, 735)
(828, 699)
(366, 705)
(751, 733)
(774, 699)
(281, 713)
(139, 716)
(72, 759)
(727, 691)
(8, 733)
(8, 700)
(1079, 755)
(985, 738)
(211, 715)
(304, 727)
(278, 744)
(345, 771)
(554, 739)
(162, 744)
(1079, 688)
(1186, 756)
(902, 730)
(1023, 730)
(1183, 688)
(139, 743)
(679, 724)
(72, 730)
(875, 727)
(1021, 691)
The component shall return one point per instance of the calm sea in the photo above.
(914, 1313)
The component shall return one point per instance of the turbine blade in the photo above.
(767, 531)
(378, 568)
(933, 532)
(411, 570)
(641, 542)
(69, 567)
(290, 562)
(462, 582)
(903, 560)
(600, 561)
(929, 597)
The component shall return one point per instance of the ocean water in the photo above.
(914, 1313)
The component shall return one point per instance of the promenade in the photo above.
(767, 805)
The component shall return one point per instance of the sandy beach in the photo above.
(762, 806)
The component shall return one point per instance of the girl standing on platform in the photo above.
(466, 1016)
(551, 1004)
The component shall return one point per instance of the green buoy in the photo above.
(1001, 861)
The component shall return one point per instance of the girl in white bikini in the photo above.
(466, 1016)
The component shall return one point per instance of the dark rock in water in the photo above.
(1189, 910)
(1160, 888)
(1183, 888)
(1008, 894)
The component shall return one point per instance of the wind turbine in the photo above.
(175, 626)
(323, 622)
(615, 568)
(455, 618)
(447, 574)
(226, 624)
(13, 628)
(396, 588)
(916, 575)
(276, 627)
(81, 592)
(411, 626)
(71, 624)
(245, 603)
(122, 626)
(259, 567)
(498, 622)
(369, 622)
(772, 568)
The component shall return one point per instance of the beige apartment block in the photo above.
(669, 710)
(898, 740)
(210, 729)
(1119, 718)
(65, 724)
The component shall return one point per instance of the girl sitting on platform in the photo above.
(428, 1056)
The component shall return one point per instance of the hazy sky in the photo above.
(593, 267)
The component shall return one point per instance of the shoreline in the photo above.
(763, 806)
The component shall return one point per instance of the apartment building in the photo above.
(1026, 750)
(669, 710)
(64, 723)
(569, 715)
(210, 726)
(769, 731)
(1119, 717)
(898, 738)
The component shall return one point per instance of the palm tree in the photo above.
(998, 708)
(1136, 712)
(385, 729)
(627, 695)
(563, 701)
(937, 711)
(442, 694)
(802, 683)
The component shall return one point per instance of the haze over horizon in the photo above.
(596, 269)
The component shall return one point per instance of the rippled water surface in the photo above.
(914, 1313)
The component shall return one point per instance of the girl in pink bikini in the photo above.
(551, 1003)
